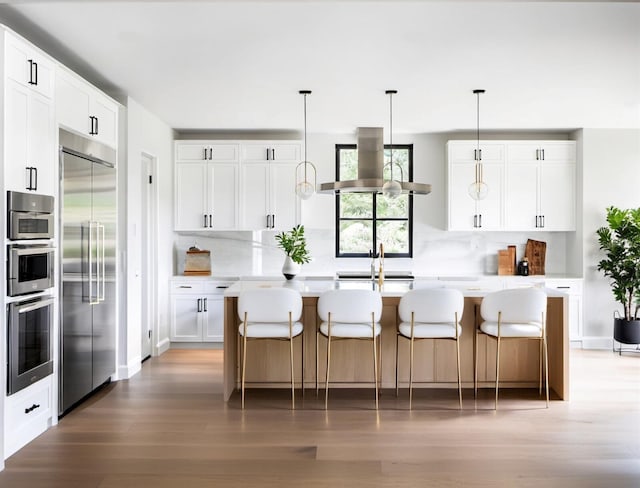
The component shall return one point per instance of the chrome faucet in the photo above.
(373, 257)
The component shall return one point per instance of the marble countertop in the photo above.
(395, 288)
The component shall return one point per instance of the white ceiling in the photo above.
(238, 65)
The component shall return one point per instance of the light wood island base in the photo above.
(435, 361)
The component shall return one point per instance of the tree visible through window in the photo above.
(364, 220)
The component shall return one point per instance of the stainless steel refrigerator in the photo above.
(88, 267)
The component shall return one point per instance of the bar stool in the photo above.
(514, 313)
(349, 314)
(430, 314)
(270, 313)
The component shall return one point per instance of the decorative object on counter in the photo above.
(381, 267)
(620, 240)
(535, 252)
(507, 261)
(305, 189)
(197, 262)
(294, 244)
(392, 188)
(478, 189)
(523, 267)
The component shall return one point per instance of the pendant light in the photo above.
(391, 188)
(305, 189)
(478, 189)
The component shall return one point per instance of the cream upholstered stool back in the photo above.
(349, 314)
(432, 313)
(515, 313)
(270, 313)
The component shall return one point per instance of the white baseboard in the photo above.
(163, 346)
(126, 371)
(597, 343)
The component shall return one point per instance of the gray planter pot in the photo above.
(626, 331)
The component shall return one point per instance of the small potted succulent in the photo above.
(294, 244)
(620, 240)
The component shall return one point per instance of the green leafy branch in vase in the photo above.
(294, 244)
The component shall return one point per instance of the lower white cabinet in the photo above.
(197, 310)
(573, 288)
(27, 414)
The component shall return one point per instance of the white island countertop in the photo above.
(390, 288)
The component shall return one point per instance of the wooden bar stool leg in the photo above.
(326, 380)
(397, 338)
(475, 366)
(375, 366)
(411, 373)
(497, 368)
(293, 391)
(459, 382)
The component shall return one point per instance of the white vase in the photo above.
(290, 268)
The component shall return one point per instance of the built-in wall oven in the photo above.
(30, 269)
(29, 216)
(30, 342)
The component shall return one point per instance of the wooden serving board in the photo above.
(535, 252)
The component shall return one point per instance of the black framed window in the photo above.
(365, 220)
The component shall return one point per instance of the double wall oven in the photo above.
(30, 278)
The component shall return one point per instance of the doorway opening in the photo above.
(148, 254)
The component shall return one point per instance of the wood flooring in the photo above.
(168, 427)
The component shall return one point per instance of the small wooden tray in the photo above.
(198, 263)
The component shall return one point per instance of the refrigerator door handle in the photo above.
(93, 299)
(101, 281)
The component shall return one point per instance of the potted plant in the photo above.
(620, 241)
(294, 244)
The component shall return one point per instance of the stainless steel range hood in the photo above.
(370, 169)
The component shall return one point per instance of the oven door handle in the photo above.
(23, 251)
(35, 305)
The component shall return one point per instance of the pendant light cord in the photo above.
(305, 137)
(391, 93)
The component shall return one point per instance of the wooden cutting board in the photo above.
(535, 251)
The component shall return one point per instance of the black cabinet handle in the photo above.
(273, 221)
(543, 154)
(92, 130)
(205, 220)
(205, 304)
(542, 218)
(268, 154)
(537, 216)
(97, 120)
(31, 408)
(33, 72)
(210, 220)
(199, 304)
(33, 178)
(479, 220)
(479, 154)
(475, 154)
(537, 154)
(205, 153)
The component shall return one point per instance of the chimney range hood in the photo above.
(370, 169)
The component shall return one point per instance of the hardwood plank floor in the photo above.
(168, 427)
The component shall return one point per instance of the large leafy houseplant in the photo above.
(294, 244)
(620, 241)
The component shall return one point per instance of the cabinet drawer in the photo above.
(571, 287)
(216, 287)
(29, 405)
(206, 152)
(186, 287)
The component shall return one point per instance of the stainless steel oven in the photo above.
(29, 216)
(30, 268)
(30, 342)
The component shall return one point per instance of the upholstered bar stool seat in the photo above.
(349, 314)
(512, 314)
(270, 313)
(430, 314)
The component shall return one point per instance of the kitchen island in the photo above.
(435, 361)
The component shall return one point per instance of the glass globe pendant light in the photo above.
(305, 189)
(391, 188)
(478, 189)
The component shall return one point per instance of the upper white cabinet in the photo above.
(236, 185)
(84, 109)
(206, 188)
(29, 128)
(540, 186)
(465, 213)
(284, 152)
(531, 186)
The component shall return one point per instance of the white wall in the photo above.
(611, 176)
(145, 133)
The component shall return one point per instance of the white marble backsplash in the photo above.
(436, 253)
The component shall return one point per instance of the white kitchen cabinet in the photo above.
(268, 198)
(573, 288)
(206, 196)
(197, 311)
(29, 140)
(84, 109)
(28, 66)
(465, 213)
(540, 186)
(206, 151)
(271, 151)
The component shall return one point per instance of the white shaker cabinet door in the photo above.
(73, 103)
(223, 195)
(186, 325)
(462, 208)
(284, 202)
(106, 125)
(190, 196)
(521, 196)
(255, 196)
(213, 318)
(558, 196)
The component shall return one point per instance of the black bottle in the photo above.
(523, 267)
